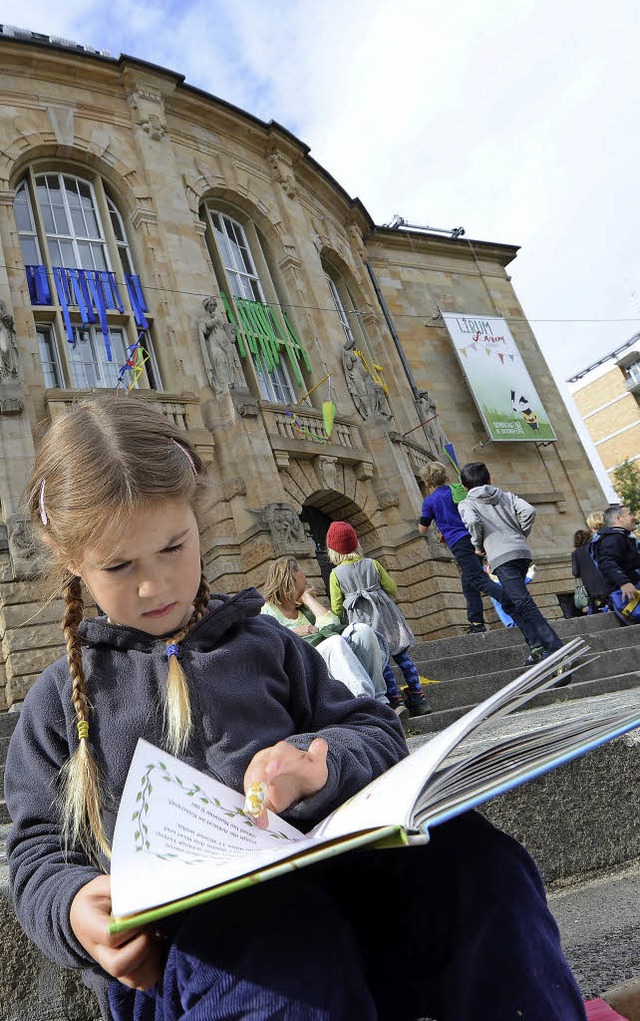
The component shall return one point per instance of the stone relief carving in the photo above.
(287, 531)
(153, 126)
(283, 174)
(326, 470)
(217, 341)
(22, 553)
(8, 345)
(435, 434)
(367, 395)
(148, 109)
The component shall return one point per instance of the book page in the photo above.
(391, 799)
(179, 831)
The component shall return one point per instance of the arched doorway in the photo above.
(319, 510)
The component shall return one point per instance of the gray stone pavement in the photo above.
(598, 921)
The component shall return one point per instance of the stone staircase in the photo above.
(576, 820)
(472, 667)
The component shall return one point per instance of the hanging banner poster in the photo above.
(502, 389)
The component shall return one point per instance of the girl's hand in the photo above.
(135, 958)
(288, 773)
(304, 629)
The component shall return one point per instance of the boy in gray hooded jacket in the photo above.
(499, 524)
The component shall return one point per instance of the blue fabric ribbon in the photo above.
(38, 285)
(60, 279)
(99, 303)
(136, 297)
(111, 290)
(86, 312)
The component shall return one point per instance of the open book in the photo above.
(182, 838)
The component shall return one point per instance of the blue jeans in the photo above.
(474, 579)
(536, 630)
(457, 930)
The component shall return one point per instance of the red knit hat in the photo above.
(341, 537)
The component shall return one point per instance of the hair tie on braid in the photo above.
(83, 730)
(172, 649)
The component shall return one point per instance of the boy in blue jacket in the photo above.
(440, 506)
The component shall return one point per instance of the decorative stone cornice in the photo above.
(143, 215)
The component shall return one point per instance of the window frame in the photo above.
(116, 252)
(273, 385)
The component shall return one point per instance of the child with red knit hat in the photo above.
(362, 588)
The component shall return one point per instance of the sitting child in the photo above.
(355, 654)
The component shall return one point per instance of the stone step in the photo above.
(486, 662)
(442, 715)
(499, 637)
(472, 687)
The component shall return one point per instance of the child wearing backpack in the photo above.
(441, 506)
(363, 589)
(499, 524)
(117, 496)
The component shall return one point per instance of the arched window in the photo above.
(350, 319)
(267, 338)
(82, 283)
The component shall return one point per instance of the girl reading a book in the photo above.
(457, 929)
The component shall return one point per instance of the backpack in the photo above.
(458, 492)
(593, 548)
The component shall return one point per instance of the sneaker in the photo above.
(475, 629)
(417, 704)
(537, 653)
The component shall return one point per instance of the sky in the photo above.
(515, 119)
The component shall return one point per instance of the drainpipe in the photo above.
(393, 331)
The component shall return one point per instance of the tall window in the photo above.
(340, 309)
(268, 339)
(350, 320)
(81, 278)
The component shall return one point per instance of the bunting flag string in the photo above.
(302, 430)
(136, 359)
(488, 349)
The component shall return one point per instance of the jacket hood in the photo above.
(484, 494)
(224, 613)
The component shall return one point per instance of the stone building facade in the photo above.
(155, 236)
(606, 394)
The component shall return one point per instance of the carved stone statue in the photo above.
(22, 552)
(8, 344)
(217, 340)
(435, 434)
(287, 530)
(366, 393)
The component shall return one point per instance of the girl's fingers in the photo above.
(137, 964)
(290, 774)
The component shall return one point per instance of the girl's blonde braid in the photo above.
(177, 705)
(81, 795)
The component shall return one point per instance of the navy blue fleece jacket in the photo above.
(252, 683)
